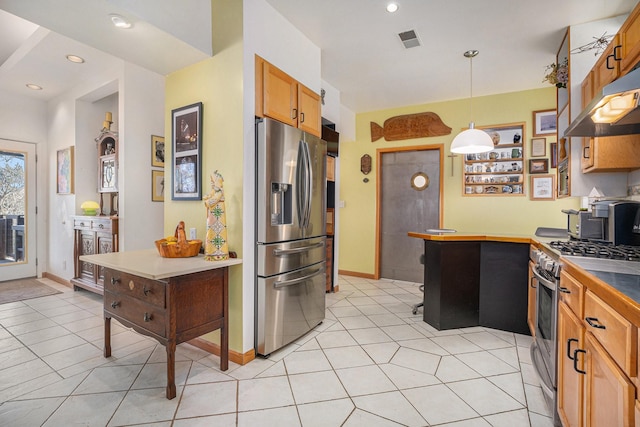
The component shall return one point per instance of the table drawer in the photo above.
(616, 334)
(82, 224)
(101, 224)
(146, 290)
(137, 312)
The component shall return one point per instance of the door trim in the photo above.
(379, 153)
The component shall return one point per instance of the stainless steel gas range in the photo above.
(546, 267)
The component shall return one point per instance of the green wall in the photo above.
(487, 214)
(217, 83)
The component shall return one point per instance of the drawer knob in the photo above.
(82, 224)
(115, 304)
(148, 317)
(101, 226)
(146, 290)
(594, 323)
(114, 280)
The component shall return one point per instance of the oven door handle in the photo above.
(544, 281)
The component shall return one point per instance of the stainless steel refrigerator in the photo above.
(290, 234)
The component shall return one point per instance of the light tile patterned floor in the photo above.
(370, 363)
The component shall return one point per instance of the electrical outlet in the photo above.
(192, 234)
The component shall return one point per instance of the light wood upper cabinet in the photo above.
(281, 97)
(607, 68)
(309, 116)
(630, 41)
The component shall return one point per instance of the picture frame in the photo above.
(186, 153)
(64, 170)
(545, 122)
(157, 186)
(108, 174)
(538, 147)
(157, 151)
(542, 187)
(538, 166)
(553, 148)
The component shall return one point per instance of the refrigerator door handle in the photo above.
(291, 282)
(308, 180)
(284, 252)
(301, 185)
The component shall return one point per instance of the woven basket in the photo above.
(183, 248)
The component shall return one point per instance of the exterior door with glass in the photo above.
(17, 210)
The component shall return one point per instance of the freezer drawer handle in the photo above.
(282, 284)
(284, 252)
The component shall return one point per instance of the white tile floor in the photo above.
(370, 363)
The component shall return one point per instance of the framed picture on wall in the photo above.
(539, 166)
(538, 147)
(542, 187)
(186, 155)
(64, 171)
(545, 122)
(157, 151)
(157, 186)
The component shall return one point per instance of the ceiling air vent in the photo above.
(409, 39)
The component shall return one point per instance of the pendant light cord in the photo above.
(470, 89)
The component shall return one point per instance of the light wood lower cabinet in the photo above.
(610, 395)
(597, 360)
(570, 380)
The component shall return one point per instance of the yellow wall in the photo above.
(217, 83)
(487, 214)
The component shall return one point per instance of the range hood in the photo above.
(613, 111)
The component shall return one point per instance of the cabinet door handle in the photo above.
(294, 113)
(569, 341)
(115, 304)
(145, 290)
(616, 51)
(585, 152)
(594, 323)
(301, 117)
(148, 317)
(575, 360)
(531, 282)
(114, 280)
(563, 290)
(609, 67)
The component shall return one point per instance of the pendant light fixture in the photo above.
(471, 140)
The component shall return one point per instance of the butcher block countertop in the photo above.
(148, 263)
(456, 236)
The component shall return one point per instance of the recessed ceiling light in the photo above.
(75, 58)
(392, 7)
(120, 21)
(34, 86)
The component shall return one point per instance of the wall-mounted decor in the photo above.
(186, 155)
(553, 148)
(157, 151)
(538, 147)
(500, 172)
(157, 186)
(542, 187)
(419, 181)
(365, 164)
(408, 126)
(64, 171)
(539, 166)
(544, 122)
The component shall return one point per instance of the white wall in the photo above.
(75, 118)
(267, 34)
(611, 184)
(25, 119)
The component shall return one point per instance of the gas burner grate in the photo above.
(597, 250)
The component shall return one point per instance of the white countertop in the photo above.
(148, 263)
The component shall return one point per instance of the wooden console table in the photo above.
(170, 299)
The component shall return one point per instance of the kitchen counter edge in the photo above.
(149, 264)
